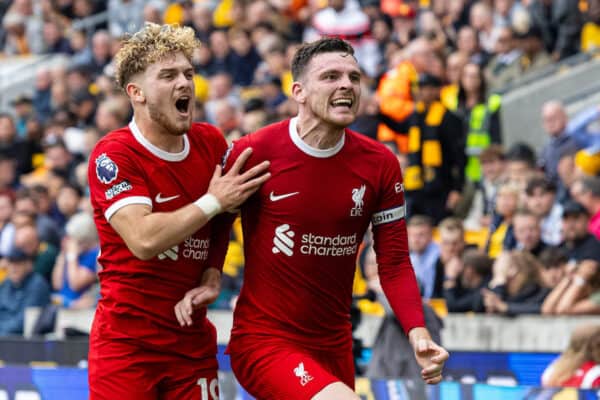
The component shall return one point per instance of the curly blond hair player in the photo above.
(150, 44)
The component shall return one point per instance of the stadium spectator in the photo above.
(553, 261)
(26, 203)
(478, 198)
(454, 67)
(481, 18)
(75, 268)
(424, 252)
(528, 232)
(586, 191)
(578, 292)
(467, 43)
(515, 287)
(395, 94)
(534, 57)
(433, 177)
(505, 10)
(520, 162)
(560, 23)
(136, 175)
(346, 20)
(577, 241)
(202, 21)
(501, 235)
(7, 229)
(43, 253)
(561, 142)
(464, 279)
(452, 246)
(577, 366)
(125, 16)
(504, 67)
(11, 144)
(480, 118)
(540, 200)
(244, 57)
(8, 173)
(22, 288)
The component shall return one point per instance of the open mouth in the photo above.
(182, 104)
(345, 103)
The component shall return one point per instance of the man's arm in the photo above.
(147, 234)
(397, 275)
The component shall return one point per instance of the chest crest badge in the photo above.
(357, 197)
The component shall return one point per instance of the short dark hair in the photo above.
(307, 51)
(553, 257)
(479, 261)
(543, 183)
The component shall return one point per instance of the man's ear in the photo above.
(135, 93)
(299, 92)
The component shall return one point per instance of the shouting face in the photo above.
(329, 89)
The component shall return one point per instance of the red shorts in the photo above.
(122, 370)
(275, 370)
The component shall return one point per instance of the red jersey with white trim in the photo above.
(302, 231)
(586, 377)
(138, 297)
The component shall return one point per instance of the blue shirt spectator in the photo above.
(23, 288)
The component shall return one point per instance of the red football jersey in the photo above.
(586, 377)
(302, 231)
(137, 297)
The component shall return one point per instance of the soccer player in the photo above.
(291, 336)
(155, 187)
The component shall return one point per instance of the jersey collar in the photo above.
(312, 151)
(164, 155)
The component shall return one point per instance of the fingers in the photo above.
(217, 172)
(254, 171)
(182, 317)
(252, 185)
(239, 163)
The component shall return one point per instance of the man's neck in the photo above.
(158, 136)
(317, 134)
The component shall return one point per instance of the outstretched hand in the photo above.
(430, 356)
(234, 187)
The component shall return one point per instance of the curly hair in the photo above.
(151, 44)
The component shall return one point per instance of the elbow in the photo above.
(142, 252)
(142, 248)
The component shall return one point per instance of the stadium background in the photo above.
(55, 83)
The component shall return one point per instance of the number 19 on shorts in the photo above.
(209, 391)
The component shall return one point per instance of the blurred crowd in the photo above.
(496, 229)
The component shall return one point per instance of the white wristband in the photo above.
(209, 205)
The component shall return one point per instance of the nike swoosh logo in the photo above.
(160, 199)
(274, 197)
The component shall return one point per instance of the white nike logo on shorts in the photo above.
(274, 197)
(160, 199)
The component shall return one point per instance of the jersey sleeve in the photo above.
(391, 248)
(234, 151)
(115, 179)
